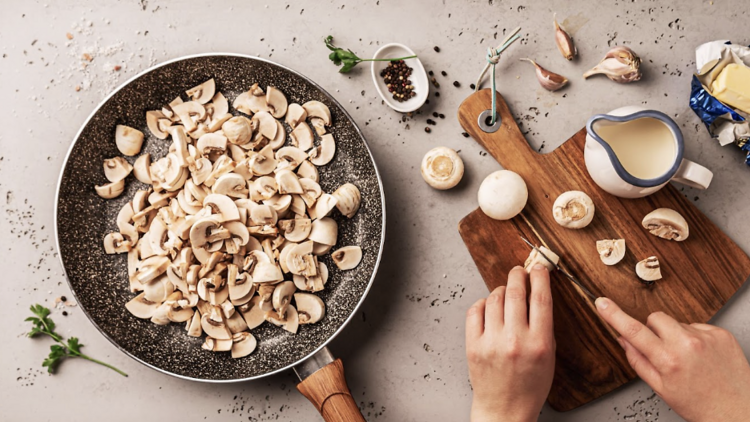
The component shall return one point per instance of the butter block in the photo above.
(732, 87)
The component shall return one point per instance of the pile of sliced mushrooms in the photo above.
(229, 232)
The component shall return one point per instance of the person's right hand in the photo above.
(698, 369)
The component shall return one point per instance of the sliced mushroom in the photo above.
(536, 258)
(253, 314)
(264, 162)
(321, 249)
(141, 307)
(282, 297)
(289, 158)
(323, 153)
(611, 251)
(115, 243)
(266, 124)
(319, 125)
(236, 323)
(231, 184)
(264, 187)
(116, 169)
(289, 323)
(297, 206)
(324, 205)
(277, 104)
(153, 118)
(243, 344)
(128, 140)
(347, 199)
(573, 209)
(295, 114)
(317, 109)
(267, 272)
(240, 287)
(194, 328)
(238, 130)
(211, 142)
(288, 182)
(300, 260)
(110, 190)
(442, 168)
(222, 206)
(311, 192)
(186, 111)
(141, 168)
(310, 308)
(348, 257)
(179, 313)
(213, 324)
(308, 170)
(667, 224)
(159, 289)
(278, 141)
(202, 93)
(296, 229)
(324, 230)
(220, 107)
(649, 269)
(302, 136)
(252, 101)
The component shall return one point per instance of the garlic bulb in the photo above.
(548, 80)
(621, 65)
(564, 42)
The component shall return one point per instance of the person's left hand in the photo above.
(511, 349)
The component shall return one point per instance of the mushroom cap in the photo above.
(348, 199)
(502, 195)
(323, 153)
(238, 130)
(611, 251)
(310, 308)
(295, 114)
(536, 258)
(667, 224)
(243, 344)
(128, 140)
(573, 209)
(442, 168)
(347, 257)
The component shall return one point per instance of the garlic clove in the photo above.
(564, 42)
(620, 64)
(548, 80)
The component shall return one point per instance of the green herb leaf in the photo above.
(349, 59)
(74, 346)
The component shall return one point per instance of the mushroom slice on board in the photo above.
(442, 168)
(536, 258)
(611, 251)
(649, 269)
(667, 224)
(573, 209)
(347, 257)
(128, 140)
(243, 344)
(310, 308)
(323, 153)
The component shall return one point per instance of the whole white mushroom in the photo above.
(502, 195)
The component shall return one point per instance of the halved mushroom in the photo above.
(116, 169)
(211, 142)
(282, 297)
(611, 251)
(128, 140)
(319, 110)
(267, 272)
(308, 170)
(573, 209)
(141, 307)
(290, 322)
(236, 323)
(238, 130)
(220, 107)
(243, 344)
(222, 206)
(186, 111)
(288, 182)
(141, 168)
(347, 199)
(263, 162)
(266, 124)
(214, 325)
(253, 314)
(277, 104)
(153, 118)
(302, 136)
(280, 203)
(290, 158)
(110, 190)
(202, 93)
(194, 328)
(295, 114)
(347, 257)
(252, 101)
(324, 205)
(311, 191)
(296, 229)
(116, 243)
(649, 269)
(231, 184)
(310, 308)
(667, 224)
(536, 258)
(323, 153)
(159, 289)
(324, 230)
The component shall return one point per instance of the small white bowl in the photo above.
(418, 77)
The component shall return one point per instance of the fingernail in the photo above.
(539, 267)
(602, 303)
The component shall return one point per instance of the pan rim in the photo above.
(324, 92)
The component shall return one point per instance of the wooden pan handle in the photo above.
(328, 391)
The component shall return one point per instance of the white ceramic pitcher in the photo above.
(608, 172)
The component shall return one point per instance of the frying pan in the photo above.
(99, 281)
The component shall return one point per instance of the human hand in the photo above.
(699, 370)
(511, 349)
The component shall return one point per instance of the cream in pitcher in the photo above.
(632, 152)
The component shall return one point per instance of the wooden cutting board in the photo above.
(700, 273)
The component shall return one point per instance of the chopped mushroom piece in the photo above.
(141, 169)
(128, 140)
(649, 269)
(243, 344)
(110, 190)
(347, 199)
(611, 251)
(348, 257)
(667, 224)
(202, 93)
(536, 258)
(310, 308)
(116, 169)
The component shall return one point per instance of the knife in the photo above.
(565, 273)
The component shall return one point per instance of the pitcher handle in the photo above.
(693, 174)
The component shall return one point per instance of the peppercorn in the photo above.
(442, 116)
(443, 73)
(430, 73)
(466, 135)
(456, 84)
(437, 94)
(430, 122)
(472, 86)
(435, 114)
(427, 129)
(437, 49)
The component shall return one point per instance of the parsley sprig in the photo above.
(43, 325)
(349, 59)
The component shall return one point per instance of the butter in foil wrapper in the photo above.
(723, 122)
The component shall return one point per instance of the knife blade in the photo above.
(565, 273)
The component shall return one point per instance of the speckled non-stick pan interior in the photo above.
(99, 281)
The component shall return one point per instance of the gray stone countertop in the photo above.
(405, 353)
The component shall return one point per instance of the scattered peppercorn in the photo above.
(435, 114)
(437, 49)
(396, 78)
(466, 135)
(430, 122)
(443, 73)
(472, 86)
(437, 94)
(435, 82)
(456, 84)
(442, 116)
(63, 299)
(65, 313)
(427, 129)
(431, 73)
